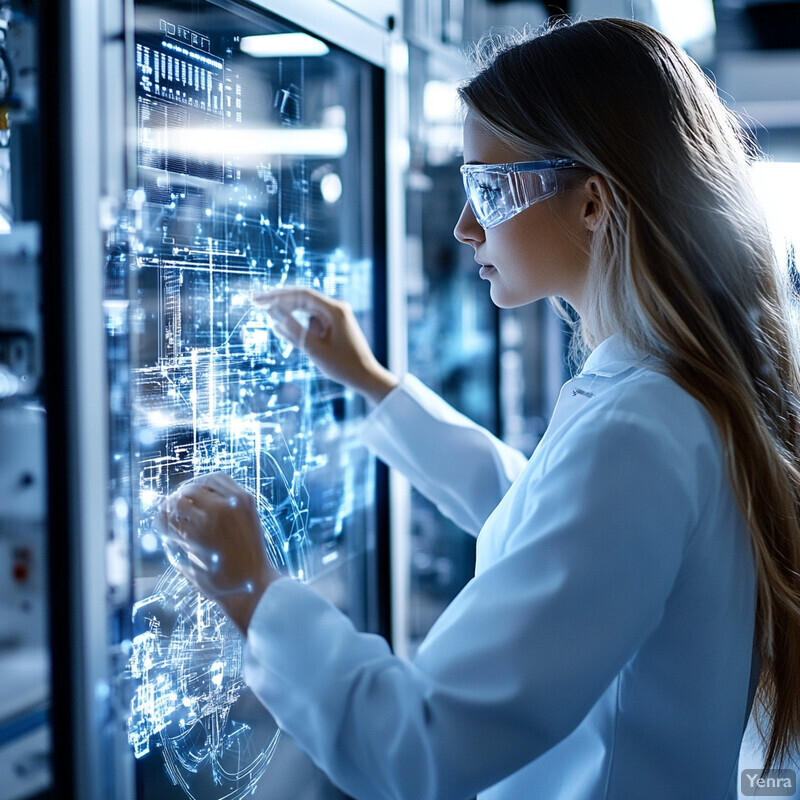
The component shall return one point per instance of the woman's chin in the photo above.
(502, 299)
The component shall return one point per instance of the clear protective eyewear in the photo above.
(497, 192)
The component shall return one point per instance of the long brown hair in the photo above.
(684, 268)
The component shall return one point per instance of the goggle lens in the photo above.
(497, 192)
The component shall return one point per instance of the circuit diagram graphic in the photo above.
(224, 208)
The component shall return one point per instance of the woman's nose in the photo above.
(467, 229)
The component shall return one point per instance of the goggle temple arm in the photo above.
(528, 188)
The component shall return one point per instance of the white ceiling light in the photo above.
(257, 143)
(278, 45)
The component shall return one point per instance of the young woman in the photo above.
(638, 578)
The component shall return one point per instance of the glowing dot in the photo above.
(148, 497)
(149, 542)
(147, 437)
(238, 217)
(121, 508)
(331, 187)
(158, 419)
(208, 212)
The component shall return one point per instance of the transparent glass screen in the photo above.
(251, 172)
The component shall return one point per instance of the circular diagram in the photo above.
(191, 701)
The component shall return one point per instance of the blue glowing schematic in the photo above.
(250, 173)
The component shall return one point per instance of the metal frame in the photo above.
(334, 23)
(397, 156)
(73, 35)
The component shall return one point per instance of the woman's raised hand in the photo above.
(212, 533)
(332, 338)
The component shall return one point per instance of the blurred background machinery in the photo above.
(24, 654)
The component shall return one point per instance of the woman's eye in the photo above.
(488, 192)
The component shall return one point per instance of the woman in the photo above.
(638, 577)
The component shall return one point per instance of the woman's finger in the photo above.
(284, 302)
(180, 560)
(204, 558)
(160, 522)
(181, 532)
(221, 483)
(316, 327)
(194, 490)
(166, 520)
(288, 327)
(188, 509)
(295, 298)
(211, 480)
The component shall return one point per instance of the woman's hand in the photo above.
(213, 535)
(332, 339)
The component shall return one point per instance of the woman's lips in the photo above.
(487, 270)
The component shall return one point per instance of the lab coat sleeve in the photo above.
(455, 463)
(519, 657)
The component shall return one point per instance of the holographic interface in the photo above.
(249, 176)
(188, 664)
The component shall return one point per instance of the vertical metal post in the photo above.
(397, 165)
(75, 76)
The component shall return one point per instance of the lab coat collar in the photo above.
(612, 357)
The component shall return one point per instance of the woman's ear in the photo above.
(597, 202)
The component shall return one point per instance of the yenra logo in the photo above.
(773, 783)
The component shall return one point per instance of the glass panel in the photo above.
(251, 172)
(452, 342)
(502, 370)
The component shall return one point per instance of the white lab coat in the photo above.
(603, 649)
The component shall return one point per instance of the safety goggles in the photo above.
(498, 192)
